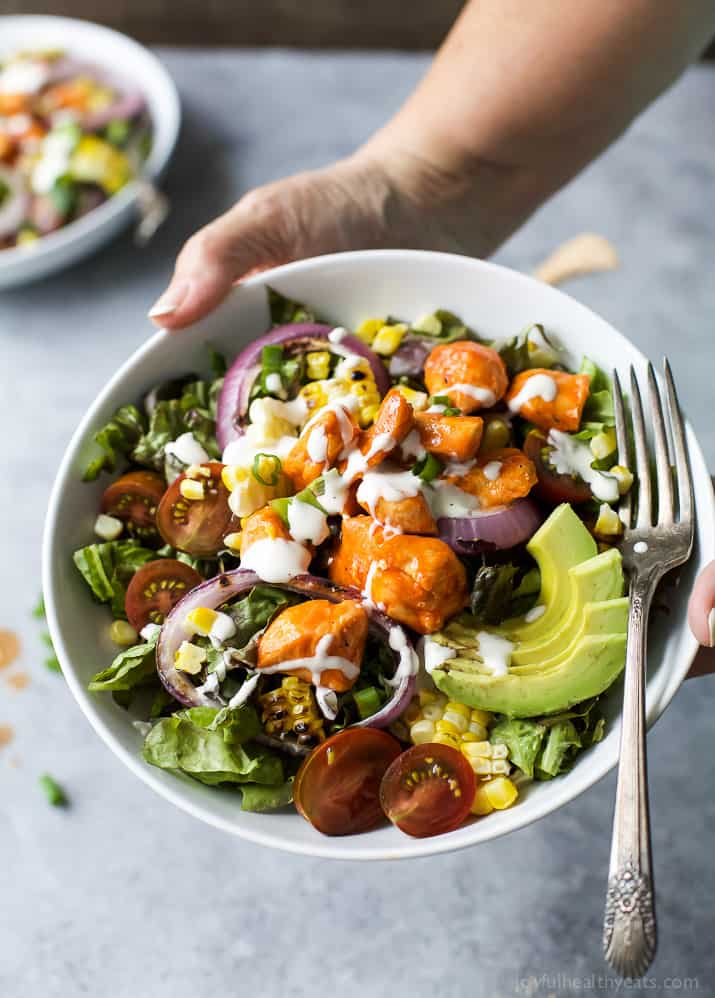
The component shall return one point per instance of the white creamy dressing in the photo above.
(492, 470)
(350, 362)
(432, 655)
(272, 430)
(317, 445)
(534, 613)
(327, 700)
(573, 457)
(187, 450)
(408, 663)
(370, 578)
(337, 335)
(222, 629)
(210, 687)
(243, 694)
(275, 559)
(54, 161)
(390, 484)
(640, 547)
(437, 408)
(458, 468)
(485, 396)
(318, 663)
(412, 447)
(24, 76)
(307, 522)
(335, 492)
(541, 386)
(495, 652)
(150, 631)
(446, 499)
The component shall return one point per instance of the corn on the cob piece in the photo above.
(291, 709)
(494, 795)
(431, 717)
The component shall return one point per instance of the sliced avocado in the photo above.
(590, 668)
(594, 580)
(607, 617)
(559, 544)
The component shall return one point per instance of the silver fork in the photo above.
(658, 535)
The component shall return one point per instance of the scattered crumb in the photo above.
(18, 680)
(577, 257)
(9, 647)
(6, 735)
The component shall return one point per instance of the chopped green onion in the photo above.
(275, 468)
(271, 357)
(450, 410)
(53, 791)
(38, 611)
(427, 468)
(281, 508)
(368, 701)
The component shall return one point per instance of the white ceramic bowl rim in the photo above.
(165, 127)
(601, 758)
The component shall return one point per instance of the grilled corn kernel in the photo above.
(291, 710)
(233, 541)
(387, 340)
(368, 329)
(623, 476)
(421, 732)
(122, 633)
(500, 792)
(189, 658)
(191, 489)
(608, 524)
(108, 527)
(418, 400)
(429, 324)
(367, 414)
(603, 444)
(317, 365)
(481, 804)
(200, 620)
(314, 395)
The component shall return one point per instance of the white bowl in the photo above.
(345, 288)
(114, 52)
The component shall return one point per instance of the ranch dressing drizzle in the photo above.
(408, 663)
(187, 450)
(317, 445)
(495, 652)
(484, 395)
(327, 702)
(307, 523)
(390, 484)
(570, 456)
(433, 655)
(317, 664)
(245, 691)
(534, 613)
(275, 559)
(492, 470)
(540, 386)
(411, 446)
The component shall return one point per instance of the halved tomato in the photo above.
(428, 790)
(552, 487)
(337, 788)
(155, 588)
(134, 499)
(197, 526)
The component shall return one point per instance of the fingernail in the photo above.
(711, 627)
(168, 302)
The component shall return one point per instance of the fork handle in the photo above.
(629, 925)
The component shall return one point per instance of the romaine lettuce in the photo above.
(117, 438)
(107, 569)
(131, 667)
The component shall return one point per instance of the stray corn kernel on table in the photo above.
(121, 887)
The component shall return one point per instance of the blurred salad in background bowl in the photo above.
(88, 120)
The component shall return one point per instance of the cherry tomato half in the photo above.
(337, 788)
(428, 790)
(552, 487)
(134, 499)
(197, 526)
(155, 588)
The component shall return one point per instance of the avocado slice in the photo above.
(606, 617)
(559, 544)
(587, 670)
(594, 580)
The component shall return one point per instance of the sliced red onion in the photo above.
(409, 358)
(222, 588)
(128, 103)
(234, 400)
(13, 210)
(500, 528)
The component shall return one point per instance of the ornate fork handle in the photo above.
(629, 928)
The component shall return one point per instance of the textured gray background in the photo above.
(124, 897)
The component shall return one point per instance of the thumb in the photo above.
(246, 238)
(701, 609)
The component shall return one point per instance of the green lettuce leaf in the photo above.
(107, 569)
(255, 797)
(285, 310)
(562, 743)
(132, 667)
(116, 439)
(503, 591)
(190, 742)
(531, 348)
(255, 611)
(523, 738)
(599, 404)
(193, 412)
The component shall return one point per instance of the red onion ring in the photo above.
(222, 588)
(500, 528)
(233, 402)
(128, 103)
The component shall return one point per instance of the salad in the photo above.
(71, 136)
(371, 573)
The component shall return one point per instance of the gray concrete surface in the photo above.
(121, 896)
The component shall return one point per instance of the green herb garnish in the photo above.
(427, 468)
(53, 791)
(273, 474)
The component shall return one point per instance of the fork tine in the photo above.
(644, 513)
(682, 465)
(622, 443)
(662, 460)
